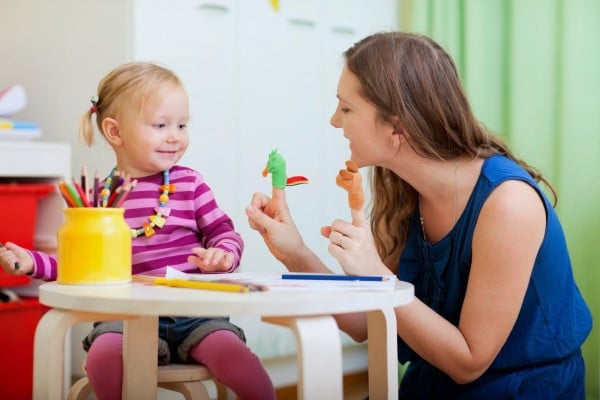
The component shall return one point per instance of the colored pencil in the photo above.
(95, 189)
(74, 195)
(84, 185)
(333, 277)
(62, 187)
(81, 193)
(124, 193)
(206, 285)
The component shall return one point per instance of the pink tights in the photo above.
(228, 358)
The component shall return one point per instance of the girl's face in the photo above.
(158, 140)
(370, 139)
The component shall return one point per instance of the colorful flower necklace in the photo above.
(157, 220)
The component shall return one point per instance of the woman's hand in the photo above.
(271, 218)
(353, 247)
(211, 259)
(15, 260)
(351, 180)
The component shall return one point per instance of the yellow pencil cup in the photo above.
(94, 247)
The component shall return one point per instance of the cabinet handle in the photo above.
(345, 30)
(302, 22)
(213, 7)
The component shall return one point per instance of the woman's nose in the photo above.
(334, 120)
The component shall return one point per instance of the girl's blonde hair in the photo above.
(123, 94)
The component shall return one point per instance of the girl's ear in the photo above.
(111, 131)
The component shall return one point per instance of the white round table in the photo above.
(307, 313)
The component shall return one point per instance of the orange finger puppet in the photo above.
(351, 180)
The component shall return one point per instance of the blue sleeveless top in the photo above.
(553, 322)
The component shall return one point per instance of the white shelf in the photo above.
(34, 160)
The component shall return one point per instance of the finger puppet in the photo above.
(276, 167)
(351, 180)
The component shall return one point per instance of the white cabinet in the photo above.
(197, 40)
(289, 66)
(258, 79)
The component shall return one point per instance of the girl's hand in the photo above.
(15, 260)
(211, 259)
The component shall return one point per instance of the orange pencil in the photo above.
(62, 187)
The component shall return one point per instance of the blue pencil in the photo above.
(333, 277)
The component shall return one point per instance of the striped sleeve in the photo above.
(216, 228)
(44, 265)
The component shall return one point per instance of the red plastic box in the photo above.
(18, 203)
(18, 321)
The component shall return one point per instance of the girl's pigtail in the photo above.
(86, 127)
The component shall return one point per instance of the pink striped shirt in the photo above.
(195, 221)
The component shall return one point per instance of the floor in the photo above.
(356, 387)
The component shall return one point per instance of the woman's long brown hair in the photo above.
(414, 85)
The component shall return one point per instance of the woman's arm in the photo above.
(506, 240)
(507, 237)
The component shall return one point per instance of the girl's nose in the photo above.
(172, 139)
(174, 135)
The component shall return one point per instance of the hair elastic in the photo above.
(94, 101)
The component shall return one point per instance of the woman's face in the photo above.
(370, 139)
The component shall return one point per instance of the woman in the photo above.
(497, 313)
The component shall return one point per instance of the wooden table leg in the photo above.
(319, 355)
(383, 359)
(49, 349)
(140, 348)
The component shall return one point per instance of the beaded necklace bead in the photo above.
(157, 220)
(105, 192)
(162, 211)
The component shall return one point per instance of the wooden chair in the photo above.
(186, 379)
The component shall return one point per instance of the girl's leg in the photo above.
(233, 364)
(104, 365)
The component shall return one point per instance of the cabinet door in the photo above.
(345, 22)
(197, 40)
(290, 62)
(341, 29)
(280, 69)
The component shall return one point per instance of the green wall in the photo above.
(532, 72)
